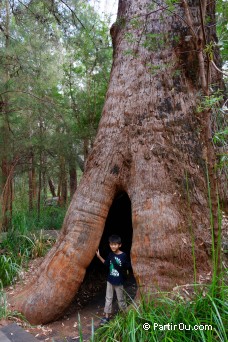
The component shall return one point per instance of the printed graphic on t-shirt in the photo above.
(113, 271)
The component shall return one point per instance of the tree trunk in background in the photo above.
(73, 177)
(44, 176)
(62, 186)
(32, 181)
(39, 187)
(150, 144)
(51, 187)
(7, 196)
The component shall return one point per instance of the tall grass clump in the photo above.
(204, 318)
(18, 250)
(9, 269)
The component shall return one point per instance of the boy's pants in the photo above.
(109, 297)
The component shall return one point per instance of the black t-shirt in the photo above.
(116, 263)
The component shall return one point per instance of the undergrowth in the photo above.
(25, 239)
(5, 311)
(203, 318)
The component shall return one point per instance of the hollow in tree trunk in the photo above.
(150, 144)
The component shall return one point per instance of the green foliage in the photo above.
(130, 52)
(9, 269)
(18, 250)
(26, 240)
(153, 41)
(129, 37)
(136, 23)
(121, 22)
(221, 137)
(5, 312)
(210, 101)
(171, 4)
(204, 318)
(209, 50)
(55, 82)
(222, 27)
(155, 69)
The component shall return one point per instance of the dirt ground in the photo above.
(85, 311)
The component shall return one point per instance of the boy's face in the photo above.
(114, 246)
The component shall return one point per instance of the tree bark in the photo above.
(73, 177)
(39, 186)
(62, 186)
(51, 187)
(32, 181)
(150, 144)
(7, 196)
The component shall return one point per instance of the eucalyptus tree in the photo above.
(154, 143)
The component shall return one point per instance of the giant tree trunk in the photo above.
(150, 144)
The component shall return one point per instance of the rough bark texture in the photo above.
(150, 145)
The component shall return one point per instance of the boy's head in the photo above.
(115, 243)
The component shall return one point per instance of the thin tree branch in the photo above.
(219, 70)
(189, 18)
(24, 92)
(73, 13)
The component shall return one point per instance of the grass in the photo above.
(9, 269)
(204, 318)
(25, 240)
(18, 250)
(51, 217)
(5, 312)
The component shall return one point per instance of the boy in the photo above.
(117, 261)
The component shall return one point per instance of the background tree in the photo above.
(41, 124)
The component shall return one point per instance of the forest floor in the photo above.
(87, 307)
(86, 310)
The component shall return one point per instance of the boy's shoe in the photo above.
(104, 321)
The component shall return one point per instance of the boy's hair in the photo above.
(114, 239)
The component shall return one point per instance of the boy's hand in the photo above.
(99, 256)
